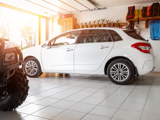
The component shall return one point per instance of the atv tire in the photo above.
(17, 91)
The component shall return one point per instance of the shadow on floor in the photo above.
(61, 75)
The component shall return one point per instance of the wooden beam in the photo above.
(68, 5)
(39, 30)
(83, 5)
(54, 5)
(21, 10)
(41, 6)
(47, 29)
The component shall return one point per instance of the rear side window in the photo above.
(115, 35)
(134, 35)
(94, 36)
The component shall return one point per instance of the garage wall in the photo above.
(119, 13)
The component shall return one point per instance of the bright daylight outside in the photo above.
(20, 28)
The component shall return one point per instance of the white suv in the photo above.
(120, 54)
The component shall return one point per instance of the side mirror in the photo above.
(48, 45)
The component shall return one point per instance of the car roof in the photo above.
(100, 28)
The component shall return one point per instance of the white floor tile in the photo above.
(81, 107)
(151, 109)
(33, 99)
(135, 100)
(146, 116)
(60, 96)
(104, 111)
(69, 115)
(138, 95)
(92, 100)
(155, 102)
(48, 112)
(29, 109)
(84, 93)
(64, 104)
(30, 117)
(100, 95)
(111, 103)
(46, 101)
(76, 98)
(132, 107)
(117, 97)
(123, 93)
(94, 117)
(127, 115)
(155, 97)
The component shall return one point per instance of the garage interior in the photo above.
(56, 96)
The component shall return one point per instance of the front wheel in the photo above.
(15, 92)
(120, 71)
(32, 67)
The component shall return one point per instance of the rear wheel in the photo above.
(32, 67)
(120, 71)
(15, 92)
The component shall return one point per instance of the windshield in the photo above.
(134, 35)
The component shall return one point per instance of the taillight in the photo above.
(143, 47)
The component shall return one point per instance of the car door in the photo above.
(93, 47)
(60, 55)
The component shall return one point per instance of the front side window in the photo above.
(94, 36)
(115, 35)
(66, 39)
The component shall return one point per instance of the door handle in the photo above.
(68, 49)
(103, 47)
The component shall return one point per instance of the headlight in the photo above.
(9, 57)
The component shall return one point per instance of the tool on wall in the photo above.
(116, 24)
(98, 23)
(102, 22)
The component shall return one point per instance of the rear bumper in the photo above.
(145, 63)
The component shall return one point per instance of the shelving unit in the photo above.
(67, 24)
(146, 19)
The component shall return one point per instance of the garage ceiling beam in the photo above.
(92, 4)
(42, 6)
(54, 5)
(21, 10)
(69, 5)
(83, 5)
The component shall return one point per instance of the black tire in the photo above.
(129, 76)
(17, 91)
(39, 71)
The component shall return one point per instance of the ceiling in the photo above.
(53, 7)
(113, 3)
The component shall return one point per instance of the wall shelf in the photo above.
(67, 24)
(146, 19)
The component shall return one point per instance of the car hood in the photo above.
(33, 51)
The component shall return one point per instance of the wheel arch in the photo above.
(120, 57)
(34, 58)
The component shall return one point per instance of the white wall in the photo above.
(119, 13)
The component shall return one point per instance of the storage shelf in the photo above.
(146, 19)
(67, 24)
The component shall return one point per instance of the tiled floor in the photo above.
(89, 97)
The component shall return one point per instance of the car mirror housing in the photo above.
(48, 45)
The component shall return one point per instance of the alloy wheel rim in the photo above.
(31, 67)
(119, 72)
